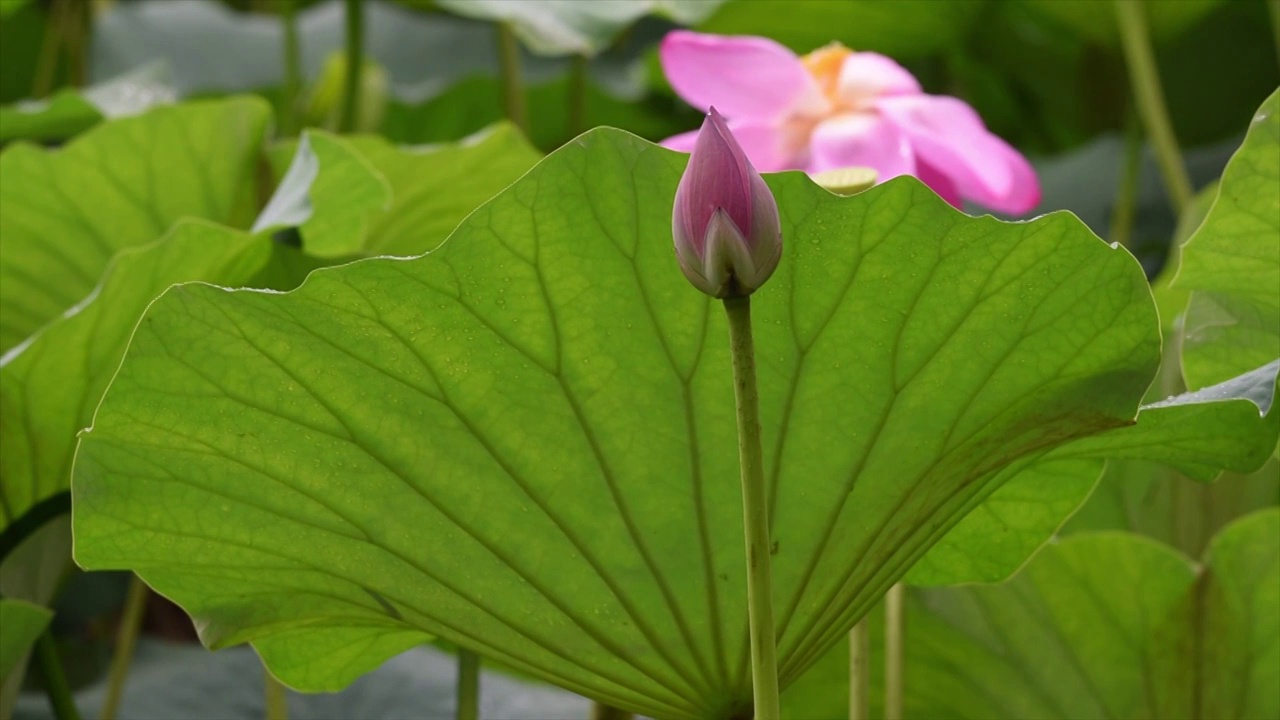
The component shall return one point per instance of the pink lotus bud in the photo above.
(725, 222)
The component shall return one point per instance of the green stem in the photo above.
(577, 95)
(600, 711)
(1274, 7)
(50, 47)
(859, 671)
(292, 67)
(1149, 95)
(894, 655)
(76, 32)
(126, 640)
(512, 81)
(277, 698)
(355, 63)
(755, 513)
(1123, 212)
(468, 685)
(55, 680)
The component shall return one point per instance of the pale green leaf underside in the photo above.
(1232, 264)
(1064, 641)
(1200, 434)
(524, 441)
(50, 385)
(366, 196)
(22, 622)
(569, 27)
(64, 213)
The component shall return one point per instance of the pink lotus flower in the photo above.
(837, 108)
(725, 223)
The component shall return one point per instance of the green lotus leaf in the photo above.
(557, 27)
(71, 111)
(22, 622)
(1064, 640)
(1230, 426)
(524, 442)
(64, 213)
(51, 383)
(1097, 21)
(364, 195)
(1231, 264)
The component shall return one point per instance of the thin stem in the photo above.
(50, 47)
(1122, 213)
(894, 651)
(55, 680)
(600, 711)
(512, 80)
(76, 32)
(577, 95)
(1149, 96)
(1274, 7)
(468, 685)
(860, 671)
(292, 66)
(355, 63)
(277, 698)
(126, 640)
(755, 513)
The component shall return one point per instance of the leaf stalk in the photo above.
(755, 513)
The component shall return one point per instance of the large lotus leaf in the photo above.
(906, 28)
(364, 195)
(65, 212)
(571, 27)
(1096, 22)
(524, 441)
(50, 384)
(1066, 640)
(71, 111)
(1230, 426)
(1232, 264)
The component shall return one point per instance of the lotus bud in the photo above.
(725, 223)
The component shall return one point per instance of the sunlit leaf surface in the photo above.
(524, 442)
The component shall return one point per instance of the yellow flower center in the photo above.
(824, 65)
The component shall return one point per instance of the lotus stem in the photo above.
(1149, 96)
(894, 651)
(577, 95)
(1122, 213)
(55, 680)
(600, 711)
(860, 671)
(135, 605)
(512, 78)
(277, 698)
(355, 63)
(468, 685)
(755, 513)
(292, 66)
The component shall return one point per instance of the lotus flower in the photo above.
(836, 108)
(725, 221)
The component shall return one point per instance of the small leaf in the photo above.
(22, 622)
(363, 195)
(73, 110)
(51, 383)
(1232, 264)
(64, 213)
